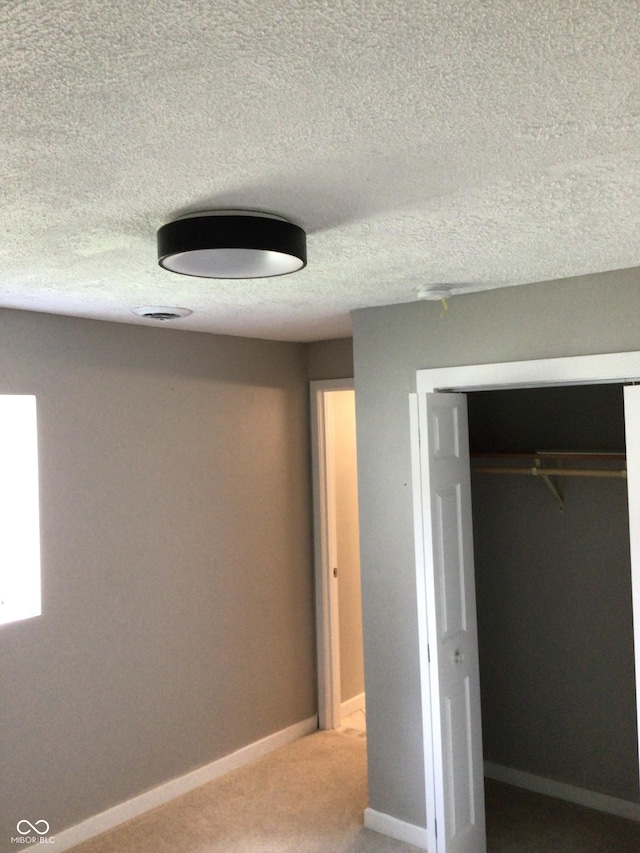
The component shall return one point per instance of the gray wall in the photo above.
(591, 314)
(177, 619)
(553, 588)
(331, 359)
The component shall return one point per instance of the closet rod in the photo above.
(551, 472)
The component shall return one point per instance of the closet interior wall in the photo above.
(554, 594)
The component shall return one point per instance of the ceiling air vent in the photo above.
(161, 313)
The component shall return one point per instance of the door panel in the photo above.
(452, 632)
(448, 539)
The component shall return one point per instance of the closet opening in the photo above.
(553, 592)
(447, 631)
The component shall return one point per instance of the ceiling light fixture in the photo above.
(232, 244)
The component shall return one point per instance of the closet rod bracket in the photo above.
(554, 491)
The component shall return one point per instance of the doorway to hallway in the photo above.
(341, 692)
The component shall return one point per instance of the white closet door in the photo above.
(452, 625)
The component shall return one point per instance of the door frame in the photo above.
(325, 549)
(574, 370)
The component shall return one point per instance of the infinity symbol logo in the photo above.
(33, 827)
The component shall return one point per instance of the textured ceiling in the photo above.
(482, 143)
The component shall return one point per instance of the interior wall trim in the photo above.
(394, 828)
(350, 706)
(563, 791)
(136, 806)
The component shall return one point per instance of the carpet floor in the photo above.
(309, 797)
(523, 822)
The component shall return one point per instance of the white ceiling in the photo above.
(482, 143)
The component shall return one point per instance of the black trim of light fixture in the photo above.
(221, 230)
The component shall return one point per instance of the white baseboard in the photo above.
(356, 703)
(562, 791)
(123, 812)
(394, 828)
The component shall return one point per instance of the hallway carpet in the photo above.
(307, 797)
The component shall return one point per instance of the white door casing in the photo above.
(451, 636)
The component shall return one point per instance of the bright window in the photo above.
(19, 516)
